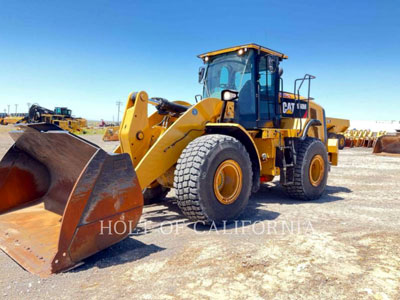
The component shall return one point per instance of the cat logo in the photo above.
(288, 108)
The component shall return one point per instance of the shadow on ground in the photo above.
(125, 251)
(167, 213)
(274, 193)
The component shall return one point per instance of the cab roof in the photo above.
(249, 46)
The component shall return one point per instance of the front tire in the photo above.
(310, 170)
(213, 179)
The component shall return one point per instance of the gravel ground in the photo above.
(343, 246)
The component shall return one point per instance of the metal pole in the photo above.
(8, 107)
(118, 104)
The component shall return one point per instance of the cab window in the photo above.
(266, 89)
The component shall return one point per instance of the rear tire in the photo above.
(341, 141)
(332, 135)
(310, 170)
(213, 179)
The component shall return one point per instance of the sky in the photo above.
(87, 55)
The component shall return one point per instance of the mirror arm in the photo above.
(222, 116)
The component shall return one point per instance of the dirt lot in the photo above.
(345, 245)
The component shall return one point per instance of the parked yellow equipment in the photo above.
(57, 189)
(61, 116)
(13, 118)
(2, 117)
(362, 138)
(336, 129)
(388, 145)
(111, 133)
(349, 136)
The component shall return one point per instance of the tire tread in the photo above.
(189, 169)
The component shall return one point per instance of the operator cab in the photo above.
(252, 73)
(64, 111)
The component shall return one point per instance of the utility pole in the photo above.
(16, 108)
(8, 109)
(118, 104)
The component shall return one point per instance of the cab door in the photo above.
(268, 91)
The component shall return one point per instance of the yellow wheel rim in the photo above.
(228, 182)
(317, 170)
(341, 142)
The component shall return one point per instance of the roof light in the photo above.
(206, 59)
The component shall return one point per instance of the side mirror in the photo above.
(272, 63)
(280, 72)
(229, 95)
(202, 71)
(198, 98)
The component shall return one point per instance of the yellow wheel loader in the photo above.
(60, 191)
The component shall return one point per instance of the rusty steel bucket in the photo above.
(387, 145)
(62, 199)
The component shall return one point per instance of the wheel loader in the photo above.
(59, 190)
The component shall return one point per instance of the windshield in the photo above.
(227, 71)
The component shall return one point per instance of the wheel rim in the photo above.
(317, 170)
(341, 141)
(228, 182)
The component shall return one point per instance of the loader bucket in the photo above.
(387, 145)
(62, 199)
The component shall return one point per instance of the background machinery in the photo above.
(336, 130)
(60, 116)
(388, 144)
(58, 190)
(2, 117)
(111, 133)
(11, 118)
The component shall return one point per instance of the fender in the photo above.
(312, 122)
(240, 133)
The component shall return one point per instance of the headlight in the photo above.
(229, 95)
